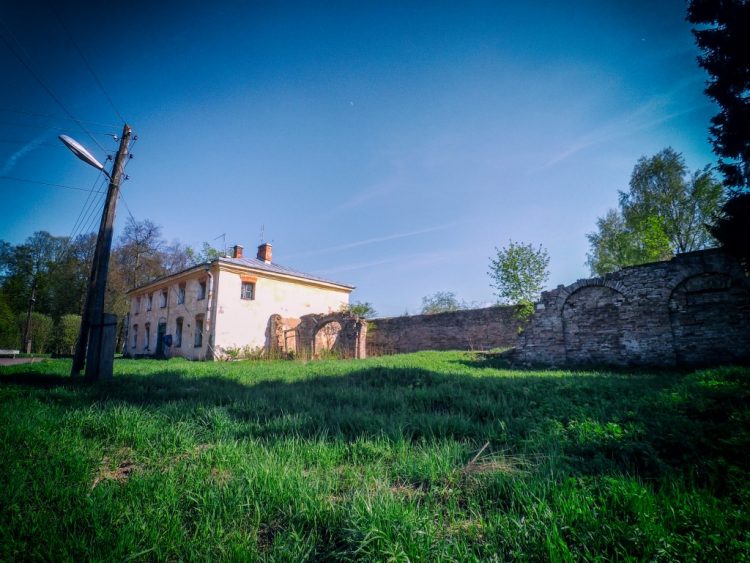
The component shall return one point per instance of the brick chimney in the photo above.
(264, 252)
(237, 251)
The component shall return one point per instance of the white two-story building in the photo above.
(223, 304)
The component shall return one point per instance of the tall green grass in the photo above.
(373, 460)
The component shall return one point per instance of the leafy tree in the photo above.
(362, 309)
(66, 333)
(42, 330)
(721, 32)
(518, 272)
(732, 227)
(664, 212)
(440, 302)
(10, 336)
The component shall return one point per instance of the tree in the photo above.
(42, 329)
(721, 32)
(518, 272)
(10, 336)
(732, 229)
(66, 333)
(362, 309)
(664, 212)
(440, 302)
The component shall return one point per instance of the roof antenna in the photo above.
(262, 233)
(223, 237)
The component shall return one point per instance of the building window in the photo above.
(198, 332)
(201, 290)
(178, 333)
(181, 294)
(149, 301)
(137, 305)
(163, 298)
(135, 336)
(146, 336)
(248, 290)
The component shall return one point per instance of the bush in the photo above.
(42, 331)
(66, 334)
(10, 336)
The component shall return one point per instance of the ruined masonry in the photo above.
(692, 310)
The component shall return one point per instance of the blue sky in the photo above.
(390, 146)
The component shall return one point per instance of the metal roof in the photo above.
(252, 263)
(278, 269)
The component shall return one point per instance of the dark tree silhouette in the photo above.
(722, 31)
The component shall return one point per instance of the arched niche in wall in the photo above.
(710, 320)
(328, 338)
(592, 325)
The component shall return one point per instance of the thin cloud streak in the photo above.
(20, 153)
(409, 262)
(375, 240)
(640, 119)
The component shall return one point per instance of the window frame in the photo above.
(198, 333)
(147, 336)
(252, 291)
(179, 326)
(135, 336)
(181, 293)
(202, 290)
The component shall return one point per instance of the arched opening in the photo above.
(328, 339)
(592, 326)
(710, 320)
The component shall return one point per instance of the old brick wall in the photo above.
(478, 329)
(688, 311)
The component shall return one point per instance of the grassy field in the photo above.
(379, 459)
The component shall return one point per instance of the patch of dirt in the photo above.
(220, 476)
(120, 474)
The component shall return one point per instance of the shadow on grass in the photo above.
(596, 422)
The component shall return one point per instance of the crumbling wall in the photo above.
(474, 329)
(342, 334)
(689, 311)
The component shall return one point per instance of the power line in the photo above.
(84, 59)
(95, 214)
(41, 183)
(53, 116)
(86, 203)
(41, 126)
(41, 82)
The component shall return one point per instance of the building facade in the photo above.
(224, 304)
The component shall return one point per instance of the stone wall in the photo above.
(475, 329)
(689, 311)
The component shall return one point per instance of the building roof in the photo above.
(274, 268)
(251, 263)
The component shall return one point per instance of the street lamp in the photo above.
(95, 347)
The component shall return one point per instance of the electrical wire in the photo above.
(86, 204)
(20, 57)
(84, 59)
(53, 116)
(41, 183)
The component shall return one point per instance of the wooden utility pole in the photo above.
(92, 321)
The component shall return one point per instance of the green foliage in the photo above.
(721, 32)
(10, 336)
(66, 333)
(441, 302)
(518, 272)
(375, 459)
(362, 309)
(664, 212)
(42, 331)
(731, 227)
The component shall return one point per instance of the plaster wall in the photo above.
(243, 322)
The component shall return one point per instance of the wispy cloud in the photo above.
(374, 240)
(20, 153)
(414, 261)
(644, 117)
